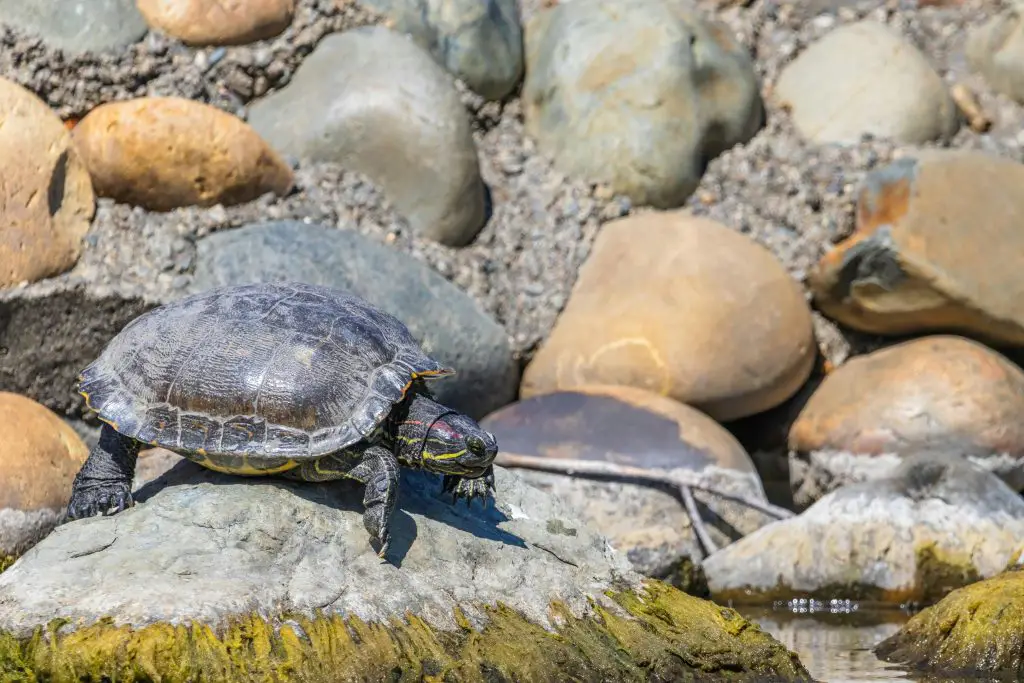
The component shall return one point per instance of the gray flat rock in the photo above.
(77, 26)
(201, 546)
(443, 318)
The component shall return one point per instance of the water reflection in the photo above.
(834, 640)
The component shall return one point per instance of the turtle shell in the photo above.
(257, 376)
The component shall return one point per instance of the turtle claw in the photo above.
(461, 487)
(90, 503)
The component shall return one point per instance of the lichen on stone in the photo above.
(978, 629)
(658, 634)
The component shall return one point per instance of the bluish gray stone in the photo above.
(443, 318)
(373, 101)
(76, 26)
(480, 41)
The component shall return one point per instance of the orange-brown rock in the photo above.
(218, 22)
(162, 153)
(46, 199)
(936, 249)
(39, 453)
(640, 429)
(937, 391)
(684, 307)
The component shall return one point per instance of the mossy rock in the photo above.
(975, 630)
(658, 633)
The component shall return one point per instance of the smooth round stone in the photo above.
(995, 49)
(935, 249)
(77, 26)
(636, 428)
(670, 302)
(40, 455)
(863, 78)
(940, 391)
(46, 198)
(218, 22)
(162, 153)
(443, 318)
(637, 94)
(479, 41)
(372, 101)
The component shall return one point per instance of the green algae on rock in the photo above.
(657, 633)
(217, 578)
(976, 630)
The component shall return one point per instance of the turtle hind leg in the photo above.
(104, 484)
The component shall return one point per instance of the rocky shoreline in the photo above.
(707, 258)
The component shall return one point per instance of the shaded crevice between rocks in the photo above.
(659, 633)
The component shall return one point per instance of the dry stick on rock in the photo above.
(681, 481)
(968, 104)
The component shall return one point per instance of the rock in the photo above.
(941, 391)
(480, 42)
(443, 318)
(864, 79)
(285, 568)
(162, 153)
(633, 427)
(152, 464)
(216, 22)
(637, 94)
(51, 330)
(371, 100)
(934, 250)
(40, 456)
(972, 632)
(46, 199)
(77, 26)
(995, 49)
(653, 275)
(934, 524)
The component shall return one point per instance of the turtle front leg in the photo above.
(378, 470)
(104, 484)
(462, 487)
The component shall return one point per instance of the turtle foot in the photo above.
(100, 500)
(461, 487)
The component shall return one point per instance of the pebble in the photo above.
(996, 50)
(636, 428)
(925, 393)
(218, 22)
(41, 455)
(479, 41)
(447, 323)
(161, 153)
(46, 198)
(637, 94)
(669, 303)
(935, 249)
(933, 525)
(865, 79)
(77, 26)
(373, 101)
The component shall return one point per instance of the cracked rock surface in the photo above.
(208, 547)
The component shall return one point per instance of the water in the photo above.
(834, 642)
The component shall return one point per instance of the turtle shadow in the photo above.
(420, 493)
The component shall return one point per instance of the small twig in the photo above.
(676, 479)
(701, 531)
(971, 109)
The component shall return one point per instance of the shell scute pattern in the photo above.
(267, 373)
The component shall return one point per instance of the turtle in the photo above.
(303, 381)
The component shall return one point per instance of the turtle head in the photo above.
(439, 439)
(456, 444)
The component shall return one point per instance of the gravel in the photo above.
(794, 198)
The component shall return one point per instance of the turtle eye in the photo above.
(475, 445)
